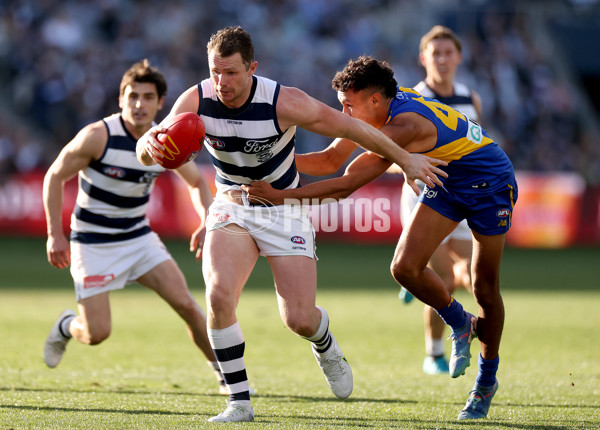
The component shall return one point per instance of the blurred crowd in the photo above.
(61, 62)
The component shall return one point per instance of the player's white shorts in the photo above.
(277, 230)
(104, 267)
(408, 202)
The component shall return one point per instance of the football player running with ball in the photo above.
(111, 241)
(250, 135)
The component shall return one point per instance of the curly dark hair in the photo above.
(366, 72)
(142, 72)
(230, 40)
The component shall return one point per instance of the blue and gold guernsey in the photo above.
(476, 164)
(113, 191)
(246, 144)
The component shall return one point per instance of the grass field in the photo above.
(149, 375)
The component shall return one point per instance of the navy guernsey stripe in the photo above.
(101, 220)
(95, 238)
(111, 198)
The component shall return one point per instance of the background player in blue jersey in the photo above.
(480, 187)
(250, 134)
(111, 241)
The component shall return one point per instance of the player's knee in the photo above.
(299, 323)
(487, 296)
(96, 335)
(219, 299)
(403, 272)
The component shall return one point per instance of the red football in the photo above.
(182, 141)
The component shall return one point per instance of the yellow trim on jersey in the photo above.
(457, 149)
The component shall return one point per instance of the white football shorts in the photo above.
(110, 266)
(277, 230)
(408, 202)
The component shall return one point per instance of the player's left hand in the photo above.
(260, 192)
(197, 241)
(423, 168)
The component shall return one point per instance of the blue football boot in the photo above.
(460, 358)
(478, 403)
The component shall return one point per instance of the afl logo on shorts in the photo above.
(503, 213)
(114, 172)
(298, 240)
(215, 143)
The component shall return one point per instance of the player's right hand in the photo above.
(148, 144)
(58, 251)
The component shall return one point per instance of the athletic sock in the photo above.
(215, 367)
(63, 326)
(454, 315)
(321, 340)
(487, 371)
(434, 347)
(228, 345)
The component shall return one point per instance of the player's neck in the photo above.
(136, 131)
(443, 88)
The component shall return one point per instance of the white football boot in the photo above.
(235, 412)
(55, 345)
(336, 369)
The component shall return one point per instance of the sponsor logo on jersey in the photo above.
(264, 156)
(503, 213)
(97, 281)
(256, 146)
(114, 172)
(215, 143)
(299, 240)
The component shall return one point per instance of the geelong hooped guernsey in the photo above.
(461, 100)
(246, 144)
(113, 191)
(475, 162)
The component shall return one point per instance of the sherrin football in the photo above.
(182, 140)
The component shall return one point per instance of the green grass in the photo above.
(148, 374)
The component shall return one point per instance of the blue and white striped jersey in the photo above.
(246, 144)
(113, 191)
(461, 100)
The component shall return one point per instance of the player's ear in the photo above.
(422, 58)
(161, 102)
(253, 66)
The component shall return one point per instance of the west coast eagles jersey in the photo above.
(475, 161)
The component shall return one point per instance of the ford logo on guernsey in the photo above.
(502, 213)
(215, 143)
(114, 172)
(298, 240)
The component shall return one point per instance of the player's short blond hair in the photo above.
(440, 32)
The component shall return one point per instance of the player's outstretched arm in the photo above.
(297, 108)
(327, 161)
(361, 171)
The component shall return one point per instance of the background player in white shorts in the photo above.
(440, 55)
(111, 240)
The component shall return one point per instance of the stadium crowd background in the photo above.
(61, 63)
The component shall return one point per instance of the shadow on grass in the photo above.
(200, 394)
(329, 421)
